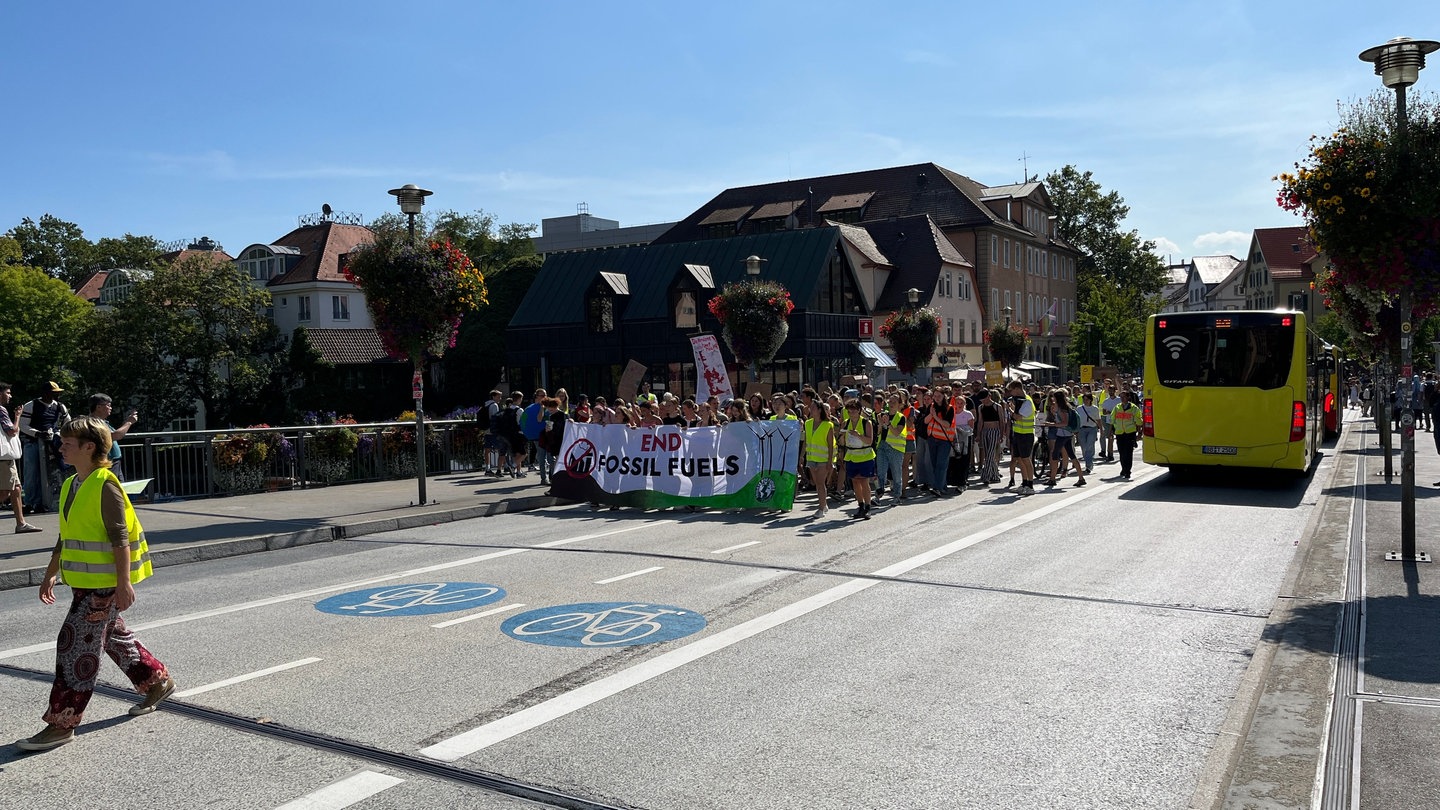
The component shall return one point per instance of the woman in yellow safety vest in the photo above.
(859, 436)
(890, 463)
(101, 555)
(819, 450)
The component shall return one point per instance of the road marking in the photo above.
(496, 731)
(482, 614)
(242, 678)
(641, 572)
(734, 548)
(290, 597)
(354, 788)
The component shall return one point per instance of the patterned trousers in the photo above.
(94, 625)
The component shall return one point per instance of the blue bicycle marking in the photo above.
(412, 600)
(603, 624)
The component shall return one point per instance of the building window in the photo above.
(600, 314)
(340, 307)
(994, 249)
(1006, 253)
(994, 304)
(949, 331)
(304, 303)
(1007, 300)
(974, 338)
(686, 316)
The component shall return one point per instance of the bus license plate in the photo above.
(1212, 450)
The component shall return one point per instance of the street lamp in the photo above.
(412, 199)
(1398, 64)
(752, 266)
(913, 296)
(1009, 311)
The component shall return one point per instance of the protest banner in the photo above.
(744, 465)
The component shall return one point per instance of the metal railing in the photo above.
(186, 464)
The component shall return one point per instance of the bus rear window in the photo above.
(1252, 357)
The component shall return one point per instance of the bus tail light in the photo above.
(1149, 418)
(1297, 422)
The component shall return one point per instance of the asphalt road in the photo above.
(1077, 649)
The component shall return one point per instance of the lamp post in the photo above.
(1009, 311)
(752, 272)
(1398, 64)
(412, 199)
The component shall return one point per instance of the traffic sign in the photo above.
(603, 624)
(412, 600)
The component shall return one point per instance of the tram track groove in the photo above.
(484, 780)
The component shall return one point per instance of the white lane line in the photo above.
(496, 731)
(275, 600)
(641, 572)
(480, 615)
(354, 788)
(734, 548)
(247, 677)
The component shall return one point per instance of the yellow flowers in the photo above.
(1365, 192)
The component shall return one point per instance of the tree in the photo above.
(41, 324)
(195, 331)
(61, 249)
(1119, 274)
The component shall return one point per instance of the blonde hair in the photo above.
(90, 429)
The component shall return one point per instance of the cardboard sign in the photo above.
(630, 381)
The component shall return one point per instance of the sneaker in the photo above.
(1124, 476)
(157, 693)
(1026, 491)
(52, 737)
(26, 528)
(819, 513)
(1080, 483)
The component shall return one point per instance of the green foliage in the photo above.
(61, 249)
(1108, 316)
(195, 331)
(42, 324)
(913, 334)
(1007, 344)
(752, 317)
(417, 294)
(1119, 274)
(1372, 204)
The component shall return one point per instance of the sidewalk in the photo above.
(1384, 728)
(210, 528)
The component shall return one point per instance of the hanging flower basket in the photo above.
(752, 317)
(913, 334)
(1007, 344)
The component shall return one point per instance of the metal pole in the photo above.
(419, 393)
(1407, 413)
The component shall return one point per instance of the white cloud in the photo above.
(1233, 243)
(1166, 249)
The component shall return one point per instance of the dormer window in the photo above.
(685, 295)
(603, 301)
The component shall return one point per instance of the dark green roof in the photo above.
(795, 259)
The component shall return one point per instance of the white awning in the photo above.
(874, 352)
(1036, 365)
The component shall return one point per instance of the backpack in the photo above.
(509, 421)
(482, 416)
(1073, 423)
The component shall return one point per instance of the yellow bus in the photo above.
(1234, 389)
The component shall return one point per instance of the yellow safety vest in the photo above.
(1125, 419)
(817, 441)
(896, 436)
(87, 560)
(1023, 424)
(865, 453)
(786, 418)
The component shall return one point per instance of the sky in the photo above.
(181, 120)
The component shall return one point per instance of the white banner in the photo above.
(710, 377)
(748, 465)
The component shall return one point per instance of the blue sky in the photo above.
(179, 120)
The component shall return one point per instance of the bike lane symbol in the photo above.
(412, 600)
(603, 624)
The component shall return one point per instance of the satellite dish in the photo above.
(326, 210)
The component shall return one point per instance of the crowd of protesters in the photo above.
(872, 445)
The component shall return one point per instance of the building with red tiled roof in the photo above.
(302, 271)
(1278, 273)
(89, 288)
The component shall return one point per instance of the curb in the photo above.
(234, 547)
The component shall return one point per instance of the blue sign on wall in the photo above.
(603, 624)
(412, 600)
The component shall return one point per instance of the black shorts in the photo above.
(1022, 444)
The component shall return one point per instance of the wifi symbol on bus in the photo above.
(1176, 344)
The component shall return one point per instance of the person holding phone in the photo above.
(101, 407)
